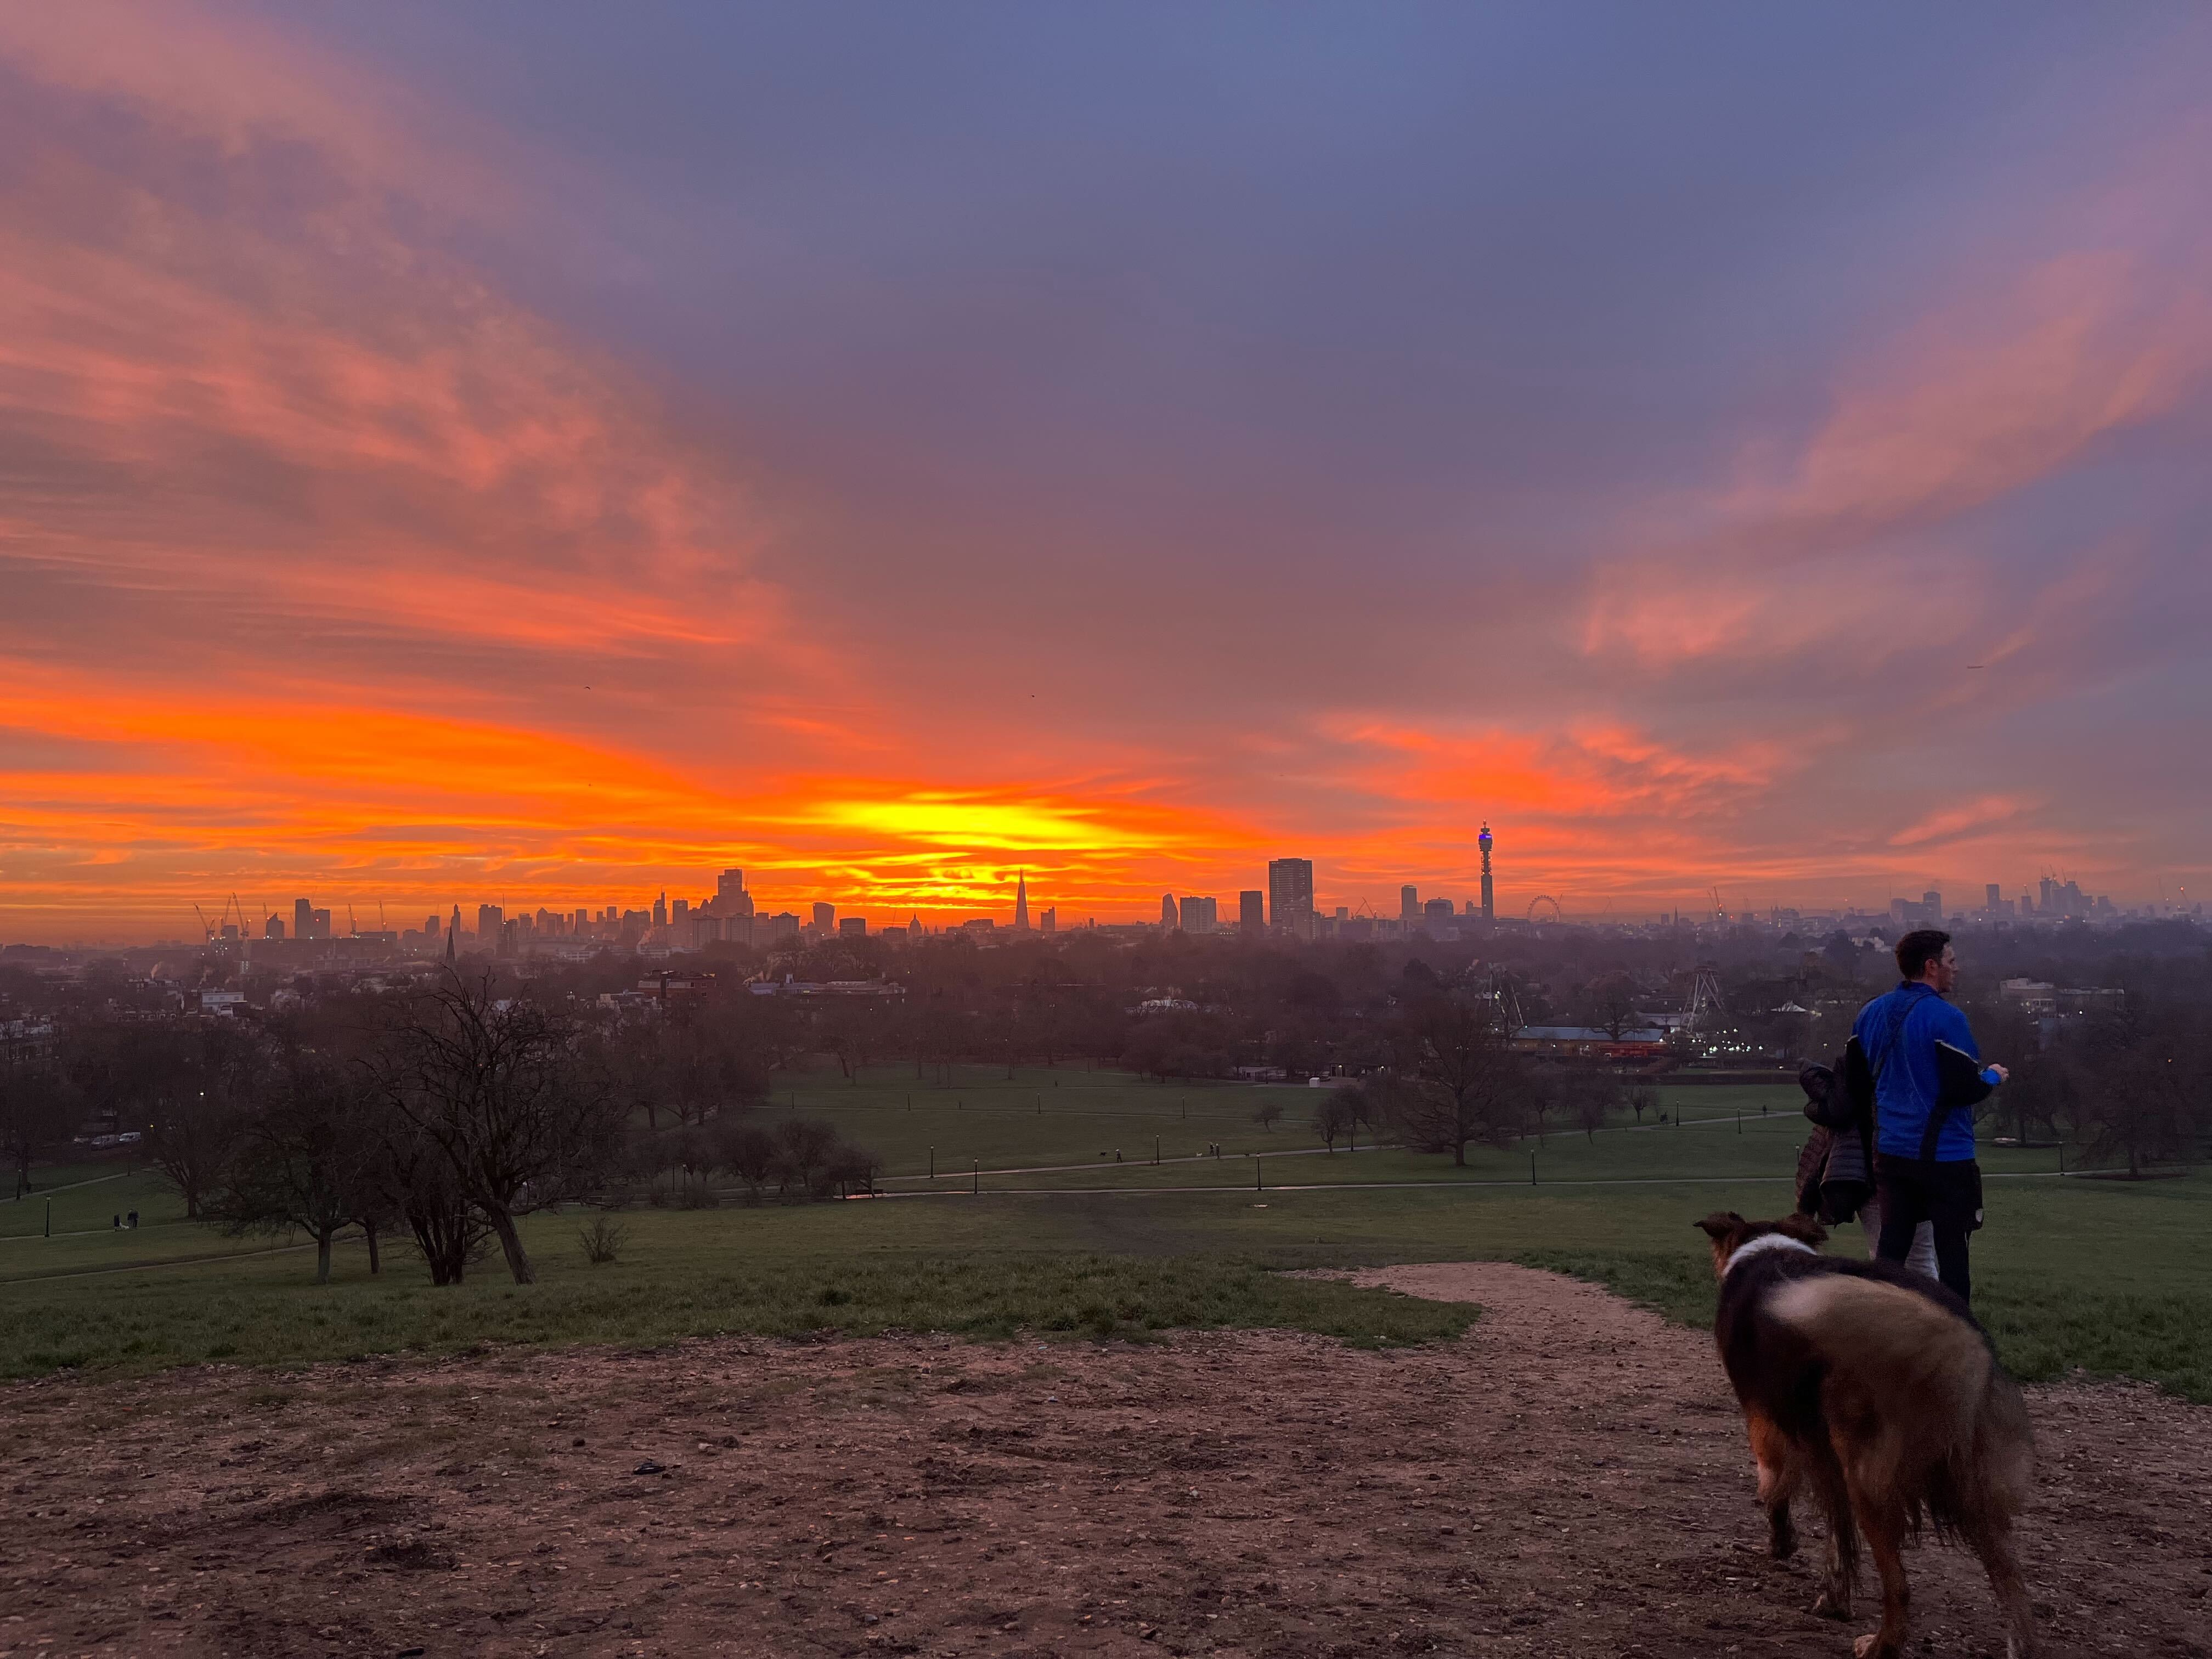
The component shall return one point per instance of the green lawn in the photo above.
(2108, 1276)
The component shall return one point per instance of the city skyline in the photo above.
(1128, 447)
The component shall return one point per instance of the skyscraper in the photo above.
(1049, 922)
(303, 913)
(731, 898)
(1022, 901)
(825, 918)
(1170, 919)
(1993, 897)
(1409, 905)
(660, 911)
(1200, 915)
(489, 919)
(1290, 894)
(1251, 916)
(1489, 908)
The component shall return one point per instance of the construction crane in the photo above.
(1720, 911)
(206, 932)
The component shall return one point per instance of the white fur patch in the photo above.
(1761, 1245)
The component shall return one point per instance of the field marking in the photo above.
(1447, 1186)
(1147, 1162)
(69, 1187)
(153, 1266)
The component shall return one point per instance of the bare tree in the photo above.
(200, 1109)
(1267, 1113)
(1339, 1114)
(2140, 1086)
(306, 1156)
(746, 1150)
(1460, 1083)
(500, 1087)
(38, 1109)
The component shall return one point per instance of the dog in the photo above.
(1874, 1388)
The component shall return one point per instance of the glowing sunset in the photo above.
(459, 455)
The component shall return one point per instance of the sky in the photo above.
(550, 452)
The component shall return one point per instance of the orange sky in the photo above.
(394, 512)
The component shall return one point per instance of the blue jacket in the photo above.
(1934, 1066)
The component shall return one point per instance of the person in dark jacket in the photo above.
(1913, 1057)
(1835, 1166)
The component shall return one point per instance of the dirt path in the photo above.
(1571, 1479)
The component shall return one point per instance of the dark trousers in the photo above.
(1949, 1196)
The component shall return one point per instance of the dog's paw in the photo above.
(1832, 1604)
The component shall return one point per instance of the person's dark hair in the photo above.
(1918, 948)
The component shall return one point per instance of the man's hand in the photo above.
(2003, 1075)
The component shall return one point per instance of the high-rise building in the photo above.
(825, 917)
(1437, 912)
(1022, 902)
(1489, 900)
(489, 919)
(1251, 916)
(303, 912)
(1199, 915)
(731, 898)
(273, 928)
(660, 911)
(318, 924)
(1931, 909)
(1290, 896)
(1409, 905)
(852, 927)
(1994, 896)
(1049, 921)
(1169, 918)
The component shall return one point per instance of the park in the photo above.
(1083, 1395)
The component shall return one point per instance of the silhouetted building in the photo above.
(1251, 914)
(1994, 897)
(318, 924)
(303, 915)
(852, 927)
(1290, 896)
(1022, 901)
(1409, 906)
(1169, 918)
(825, 917)
(1199, 915)
(1489, 901)
(1049, 922)
(1437, 913)
(660, 911)
(273, 928)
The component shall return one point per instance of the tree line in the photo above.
(441, 1115)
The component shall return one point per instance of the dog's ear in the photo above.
(1805, 1228)
(1720, 1225)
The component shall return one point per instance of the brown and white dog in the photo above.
(1874, 1386)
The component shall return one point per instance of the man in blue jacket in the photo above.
(1910, 1052)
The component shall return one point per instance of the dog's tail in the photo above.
(1917, 1406)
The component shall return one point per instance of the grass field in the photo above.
(2107, 1276)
